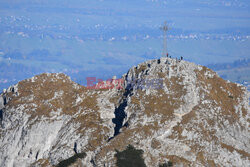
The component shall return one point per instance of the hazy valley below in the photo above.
(105, 38)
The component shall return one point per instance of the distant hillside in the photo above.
(236, 64)
(237, 71)
(11, 73)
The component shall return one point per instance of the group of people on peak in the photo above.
(170, 56)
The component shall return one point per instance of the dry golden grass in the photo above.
(43, 90)
(142, 68)
(178, 160)
(232, 149)
(42, 163)
(166, 103)
(43, 96)
(161, 75)
(155, 144)
(211, 163)
(227, 101)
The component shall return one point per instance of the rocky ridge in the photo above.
(193, 118)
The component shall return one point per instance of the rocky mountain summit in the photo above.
(172, 110)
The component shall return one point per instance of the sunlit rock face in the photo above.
(173, 110)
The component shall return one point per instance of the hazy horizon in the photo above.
(102, 38)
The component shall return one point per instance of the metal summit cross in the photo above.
(165, 28)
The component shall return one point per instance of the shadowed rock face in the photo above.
(193, 118)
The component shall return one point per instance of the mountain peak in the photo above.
(173, 110)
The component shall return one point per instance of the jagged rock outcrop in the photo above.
(172, 110)
(51, 119)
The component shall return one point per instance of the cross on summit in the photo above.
(165, 28)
